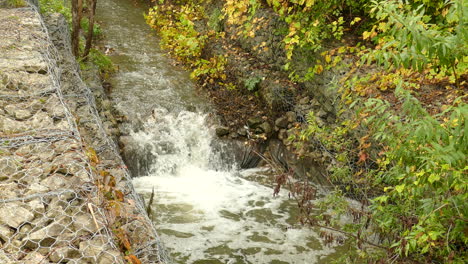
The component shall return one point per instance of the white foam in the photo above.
(225, 209)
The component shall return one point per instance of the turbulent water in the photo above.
(205, 209)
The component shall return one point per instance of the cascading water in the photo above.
(205, 209)
(208, 212)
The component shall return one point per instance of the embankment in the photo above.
(65, 194)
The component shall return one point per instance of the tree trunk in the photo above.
(89, 37)
(77, 8)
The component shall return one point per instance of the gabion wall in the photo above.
(65, 194)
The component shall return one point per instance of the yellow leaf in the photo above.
(318, 69)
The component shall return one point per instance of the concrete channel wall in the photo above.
(65, 194)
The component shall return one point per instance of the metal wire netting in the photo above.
(60, 174)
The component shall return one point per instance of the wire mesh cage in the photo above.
(65, 194)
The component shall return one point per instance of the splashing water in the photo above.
(206, 210)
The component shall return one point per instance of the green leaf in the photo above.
(400, 188)
(434, 177)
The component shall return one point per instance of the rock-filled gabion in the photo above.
(65, 196)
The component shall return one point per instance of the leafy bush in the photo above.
(424, 172)
(97, 31)
(55, 6)
(102, 61)
(16, 3)
(405, 37)
(176, 29)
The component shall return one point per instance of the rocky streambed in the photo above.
(65, 195)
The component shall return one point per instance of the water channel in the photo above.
(206, 209)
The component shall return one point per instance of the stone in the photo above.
(60, 254)
(23, 231)
(47, 235)
(37, 207)
(14, 214)
(9, 166)
(55, 108)
(291, 116)
(96, 249)
(242, 132)
(5, 233)
(321, 113)
(10, 109)
(282, 122)
(36, 188)
(9, 126)
(314, 103)
(304, 100)
(110, 257)
(84, 223)
(24, 150)
(34, 258)
(106, 104)
(265, 127)
(254, 122)
(42, 120)
(22, 114)
(283, 134)
(4, 259)
(55, 182)
(222, 131)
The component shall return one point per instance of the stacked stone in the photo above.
(60, 173)
(50, 207)
(97, 128)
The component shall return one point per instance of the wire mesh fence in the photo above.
(65, 194)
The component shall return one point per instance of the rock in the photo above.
(254, 122)
(22, 114)
(14, 214)
(242, 132)
(291, 116)
(42, 120)
(5, 234)
(61, 254)
(282, 122)
(36, 188)
(37, 207)
(233, 135)
(8, 166)
(55, 108)
(265, 127)
(319, 121)
(84, 224)
(55, 182)
(137, 231)
(304, 100)
(314, 103)
(222, 131)
(24, 150)
(106, 104)
(46, 236)
(34, 258)
(23, 231)
(283, 134)
(99, 248)
(4, 259)
(9, 126)
(10, 110)
(321, 113)
(110, 257)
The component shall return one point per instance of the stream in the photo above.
(206, 210)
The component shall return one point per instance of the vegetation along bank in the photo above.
(372, 92)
